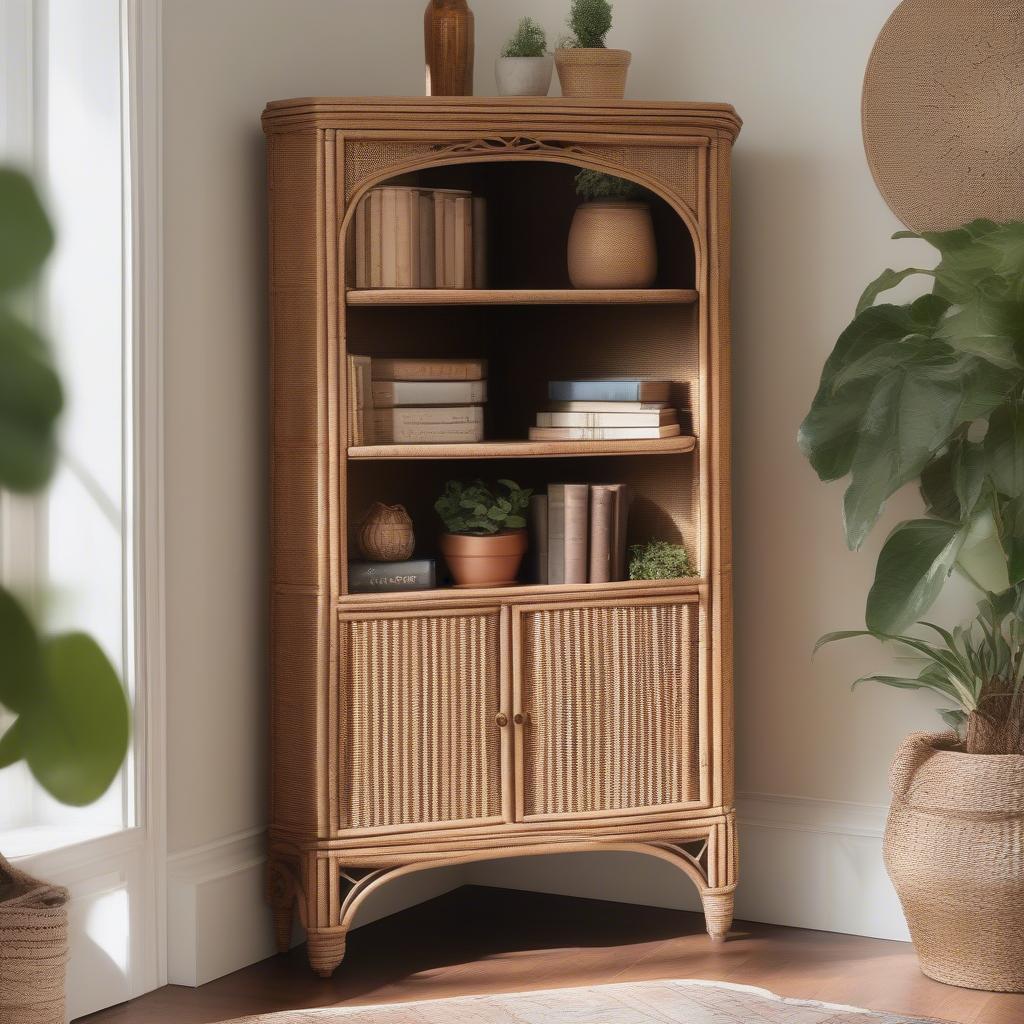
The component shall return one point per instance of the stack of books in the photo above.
(606, 410)
(409, 237)
(416, 401)
(578, 533)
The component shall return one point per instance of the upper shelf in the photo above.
(525, 449)
(521, 297)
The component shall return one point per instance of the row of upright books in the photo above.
(408, 237)
(606, 410)
(416, 401)
(578, 533)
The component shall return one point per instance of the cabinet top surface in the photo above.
(383, 113)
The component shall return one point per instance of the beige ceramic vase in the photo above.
(448, 31)
(954, 849)
(386, 534)
(488, 561)
(611, 245)
(593, 73)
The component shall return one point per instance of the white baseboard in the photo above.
(217, 918)
(804, 863)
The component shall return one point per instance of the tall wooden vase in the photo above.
(448, 35)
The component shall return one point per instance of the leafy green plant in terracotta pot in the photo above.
(66, 711)
(524, 67)
(485, 538)
(611, 240)
(932, 391)
(586, 67)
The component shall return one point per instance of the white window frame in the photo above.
(133, 859)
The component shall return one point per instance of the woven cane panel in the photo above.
(613, 698)
(420, 739)
(298, 507)
(296, 651)
(942, 116)
(674, 167)
(365, 159)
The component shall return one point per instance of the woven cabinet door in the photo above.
(420, 738)
(607, 702)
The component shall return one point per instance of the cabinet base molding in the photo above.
(326, 889)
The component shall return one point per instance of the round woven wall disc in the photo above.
(943, 112)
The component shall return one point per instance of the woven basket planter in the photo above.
(33, 949)
(593, 73)
(612, 245)
(954, 848)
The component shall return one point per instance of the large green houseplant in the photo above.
(67, 711)
(932, 391)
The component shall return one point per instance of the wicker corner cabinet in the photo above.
(441, 727)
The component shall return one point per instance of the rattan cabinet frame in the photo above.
(403, 736)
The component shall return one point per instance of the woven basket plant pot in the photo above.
(611, 245)
(489, 561)
(954, 848)
(593, 73)
(33, 949)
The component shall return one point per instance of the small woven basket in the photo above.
(33, 948)
(954, 848)
(593, 73)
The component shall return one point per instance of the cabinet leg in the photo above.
(326, 951)
(718, 908)
(284, 915)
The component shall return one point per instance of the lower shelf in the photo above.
(525, 449)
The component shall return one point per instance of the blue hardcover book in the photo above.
(608, 390)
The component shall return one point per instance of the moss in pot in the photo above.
(485, 531)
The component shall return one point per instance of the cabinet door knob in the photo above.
(502, 720)
(522, 719)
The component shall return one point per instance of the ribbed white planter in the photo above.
(523, 76)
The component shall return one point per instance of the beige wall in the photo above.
(810, 231)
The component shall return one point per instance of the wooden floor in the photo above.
(487, 940)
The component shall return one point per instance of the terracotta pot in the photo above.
(954, 849)
(594, 74)
(448, 40)
(611, 245)
(523, 76)
(33, 948)
(484, 561)
(386, 534)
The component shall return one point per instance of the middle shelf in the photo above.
(526, 449)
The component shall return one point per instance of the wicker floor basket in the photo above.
(954, 848)
(593, 74)
(33, 949)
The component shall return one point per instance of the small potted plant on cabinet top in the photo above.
(586, 67)
(485, 537)
(611, 241)
(524, 67)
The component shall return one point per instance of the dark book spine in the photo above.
(539, 537)
(391, 577)
(556, 533)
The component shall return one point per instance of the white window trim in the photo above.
(138, 854)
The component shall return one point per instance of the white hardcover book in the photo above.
(618, 407)
(603, 433)
(387, 394)
(655, 418)
(459, 425)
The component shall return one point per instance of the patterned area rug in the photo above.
(649, 1002)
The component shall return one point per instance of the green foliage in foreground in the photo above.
(71, 721)
(474, 508)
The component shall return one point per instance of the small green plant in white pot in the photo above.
(524, 67)
(586, 67)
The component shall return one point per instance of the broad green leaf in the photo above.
(886, 281)
(75, 730)
(912, 567)
(1004, 447)
(982, 558)
(985, 388)
(987, 329)
(828, 436)
(938, 486)
(970, 473)
(20, 663)
(26, 237)
(954, 718)
(911, 415)
(1012, 539)
(11, 751)
(30, 402)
